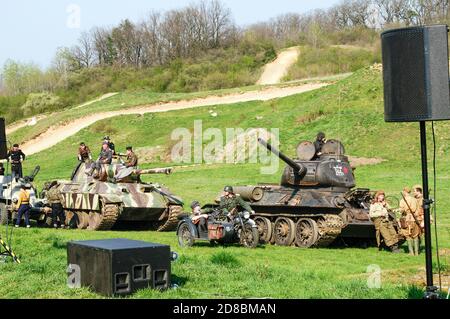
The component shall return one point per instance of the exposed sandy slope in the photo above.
(275, 71)
(59, 133)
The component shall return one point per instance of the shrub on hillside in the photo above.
(40, 103)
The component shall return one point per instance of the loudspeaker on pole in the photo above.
(416, 74)
(3, 144)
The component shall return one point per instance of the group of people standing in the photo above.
(410, 223)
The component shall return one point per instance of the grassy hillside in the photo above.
(332, 59)
(350, 110)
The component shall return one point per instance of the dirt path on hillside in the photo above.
(33, 121)
(56, 134)
(274, 72)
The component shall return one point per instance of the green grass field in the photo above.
(350, 110)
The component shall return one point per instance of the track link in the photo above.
(172, 221)
(330, 227)
(108, 217)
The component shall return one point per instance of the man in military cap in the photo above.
(16, 157)
(409, 221)
(132, 159)
(319, 142)
(22, 204)
(111, 145)
(379, 214)
(56, 200)
(230, 201)
(84, 153)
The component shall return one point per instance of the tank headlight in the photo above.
(246, 215)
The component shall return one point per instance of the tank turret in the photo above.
(332, 169)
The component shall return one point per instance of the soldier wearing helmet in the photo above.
(230, 201)
(379, 213)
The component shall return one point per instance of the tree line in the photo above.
(189, 32)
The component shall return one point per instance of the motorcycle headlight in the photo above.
(246, 215)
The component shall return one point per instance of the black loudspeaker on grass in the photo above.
(3, 143)
(416, 74)
(118, 267)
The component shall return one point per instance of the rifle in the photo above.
(412, 213)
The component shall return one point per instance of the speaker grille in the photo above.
(415, 73)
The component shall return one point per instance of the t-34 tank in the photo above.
(315, 201)
(115, 197)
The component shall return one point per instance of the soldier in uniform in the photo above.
(16, 157)
(111, 145)
(409, 221)
(418, 195)
(384, 228)
(56, 200)
(84, 153)
(132, 159)
(230, 201)
(319, 142)
(23, 205)
(199, 217)
(105, 157)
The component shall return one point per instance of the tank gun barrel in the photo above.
(165, 170)
(298, 168)
(33, 174)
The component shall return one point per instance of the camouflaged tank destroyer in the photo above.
(315, 202)
(115, 197)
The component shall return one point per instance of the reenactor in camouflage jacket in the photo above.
(409, 221)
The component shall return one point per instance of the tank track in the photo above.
(172, 221)
(330, 227)
(110, 214)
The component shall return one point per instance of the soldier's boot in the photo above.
(411, 247)
(394, 248)
(416, 246)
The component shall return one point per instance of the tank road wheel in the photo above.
(249, 238)
(306, 233)
(105, 219)
(284, 231)
(83, 220)
(265, 229)
(172, 221)
(3, 214)
(185, 237)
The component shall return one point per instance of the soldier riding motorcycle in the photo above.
(220, 226)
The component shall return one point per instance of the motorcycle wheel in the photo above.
(185, 237)
(250, 238)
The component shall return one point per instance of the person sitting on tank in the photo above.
(319, 142)
(379, 214)
(84, 153)
(132, 159)
(230, 202)
(199, 217)
(105, 157)
(111, 145)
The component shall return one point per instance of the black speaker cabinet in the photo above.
(416, 74)
(3, 146)
(120, 266)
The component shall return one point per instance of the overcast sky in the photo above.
(31, 31)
